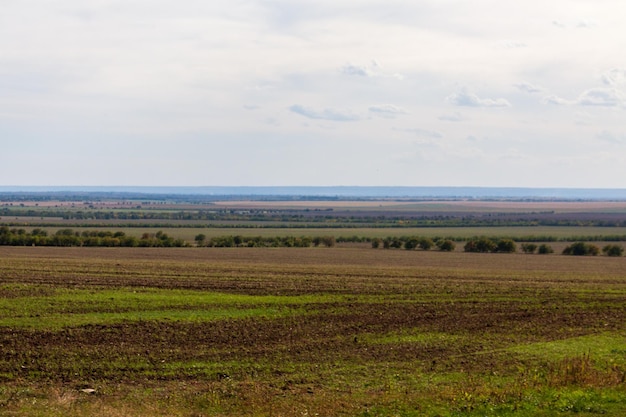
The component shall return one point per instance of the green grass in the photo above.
(62, 307)
(608, 348)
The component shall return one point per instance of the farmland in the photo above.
(342, 331)
(367, 219)
(346, 330)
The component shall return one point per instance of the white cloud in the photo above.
(371, 70)
(606, 97)
(423, 133)
(511, 44)
(361, 71)
(615, 77)
(325, 114)
(452, 117)
(556, 100)
(596, 97)
(467, 99)
(528, 88)
(609, 137)
(387, 110)
(148, 74)
(581, 24)
(585, 24)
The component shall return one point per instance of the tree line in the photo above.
(487, 245)
(69, 237)
(265, 242)
(299, 218)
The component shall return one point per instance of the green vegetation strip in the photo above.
(74, 307)
(609, 348)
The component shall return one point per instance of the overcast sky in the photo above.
(320, 92)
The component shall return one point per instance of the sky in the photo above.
(313, 92)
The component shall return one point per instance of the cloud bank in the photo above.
(270, 86)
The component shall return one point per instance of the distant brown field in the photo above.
(436, 205)
(349, 258)
(313, 204)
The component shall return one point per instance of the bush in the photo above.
(529, 247)
(328, 241)
(396, 243)
(481, 244)
(545, 249)
(425, 243)
(613, 250)
(581, 249)
(506, 246)
(446, 245)
(411, 243)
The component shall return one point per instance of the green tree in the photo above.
(396, 243)
(545, 249)
(529, 247)
(200, 239)
(481, 244)
(411, 243)
(446, 245)
(581, 249)
(506, 246)
(425, 243)
(329, 241)
(613, 250)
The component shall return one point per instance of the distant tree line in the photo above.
(300, 218)
(69, 237)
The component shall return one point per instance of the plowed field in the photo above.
(293, 332)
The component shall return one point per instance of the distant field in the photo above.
(367, 218)
(435, 206)
(305, 332)
(427, 206)
(463, 232)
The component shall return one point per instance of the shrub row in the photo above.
(413, 242)
(260, 241)
(587, 249)
(68, 237)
